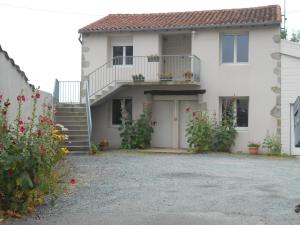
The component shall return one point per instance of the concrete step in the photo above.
(77, 127)
(60, 105)
(59, 119)
(70, 109)
(79, 148)
(77, 143)
(78, 138)
(76, 132)
(70, 113)
(68, 124)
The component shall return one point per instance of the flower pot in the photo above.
(253, 150)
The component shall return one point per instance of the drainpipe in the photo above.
(80, 38)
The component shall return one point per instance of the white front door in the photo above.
(183, 119)
(162, 120)
(294, 150)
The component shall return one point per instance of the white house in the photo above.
(290, 90)
(231, 53)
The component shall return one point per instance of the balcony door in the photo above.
(176, 50)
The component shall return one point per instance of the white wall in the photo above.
(290, 88)
(254, 79)
(11, 84)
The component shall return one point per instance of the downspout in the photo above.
(80, 38)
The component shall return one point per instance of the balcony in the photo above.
(162, 69)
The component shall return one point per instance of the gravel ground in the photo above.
(119, 188)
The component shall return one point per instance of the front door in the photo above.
(184, 117)
(162, 120)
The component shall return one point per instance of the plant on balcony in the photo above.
(138, 78)
(166, 76)
(153, 58)
(188, 75)
(31, 151)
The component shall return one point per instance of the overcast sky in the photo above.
(42, 35)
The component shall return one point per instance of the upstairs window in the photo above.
(235, 48)
(122, 55)
(240, 109)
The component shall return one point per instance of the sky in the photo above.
(42, 35)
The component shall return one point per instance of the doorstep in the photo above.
(165, 151)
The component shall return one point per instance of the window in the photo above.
(240, 106)
(117, 110)
(122, 55)
(235, 48)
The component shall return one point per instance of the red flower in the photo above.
(72, 181)
(37, 95)
(23, 98)
(19, 98)
(194, 114)
(39, 133)
(22, 129)
(10, 172)
(43, 149)
(20, 122)
(188, 109)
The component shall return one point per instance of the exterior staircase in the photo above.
(74, 118)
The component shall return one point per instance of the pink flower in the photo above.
(188, 109)
(22, 129)
(37, 95)
(20, 122)
(39, 133)
(194, 114)
(72, 181)
(19, 98)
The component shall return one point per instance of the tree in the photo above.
(295, 36)
(283, 34)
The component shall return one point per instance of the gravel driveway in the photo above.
(120, 188)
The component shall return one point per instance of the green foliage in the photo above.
(273, 144)
(283, 34)
(29, 153)
(94, 149)
(253, 145)
(199, 132)
(138, 77)
(136, 134)
(295, 37)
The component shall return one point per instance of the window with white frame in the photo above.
(122, 55)
(239, 107)
(116, 115)
(235, 48)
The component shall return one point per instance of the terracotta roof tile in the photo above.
(183, 20)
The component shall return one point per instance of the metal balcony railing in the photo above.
(66, 92)
(152, 68)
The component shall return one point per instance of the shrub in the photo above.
(29, 153)
(273, 144)
(199, 131)
(136, 134)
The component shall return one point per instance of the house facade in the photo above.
(194, 60)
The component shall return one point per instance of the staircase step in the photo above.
(70, 109)
(79, 148)
(77, 127)
(77, 143)
(59, 113)
(68, 124)
(78, 138)
(60, 105)
(76, 132)
(59, 119)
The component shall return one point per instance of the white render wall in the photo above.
(254, 79)
(290, 89)
(11, 84)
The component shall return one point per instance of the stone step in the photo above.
(61, 119)
(70, 109)
(68, 124)
(70, 113)
(60, 105)
(76, 132)
(77, 143)
(79, 148)
(78, 138)
(77, 127)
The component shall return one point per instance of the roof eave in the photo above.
(183, 27)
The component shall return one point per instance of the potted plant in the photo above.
(103, 144)
(166, 76)
(138, 78)
(253, 147)
(188, 75)
(153, 58)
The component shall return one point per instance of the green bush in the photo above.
(273, 144)
(136, 134)
(199, 132)
(29, 153)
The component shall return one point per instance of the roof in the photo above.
(263, 15)
(17, 67)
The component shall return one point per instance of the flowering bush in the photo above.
(29, 152)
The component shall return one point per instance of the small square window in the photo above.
(240, 109)
(117, 110)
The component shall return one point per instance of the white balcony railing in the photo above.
(153, 68)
